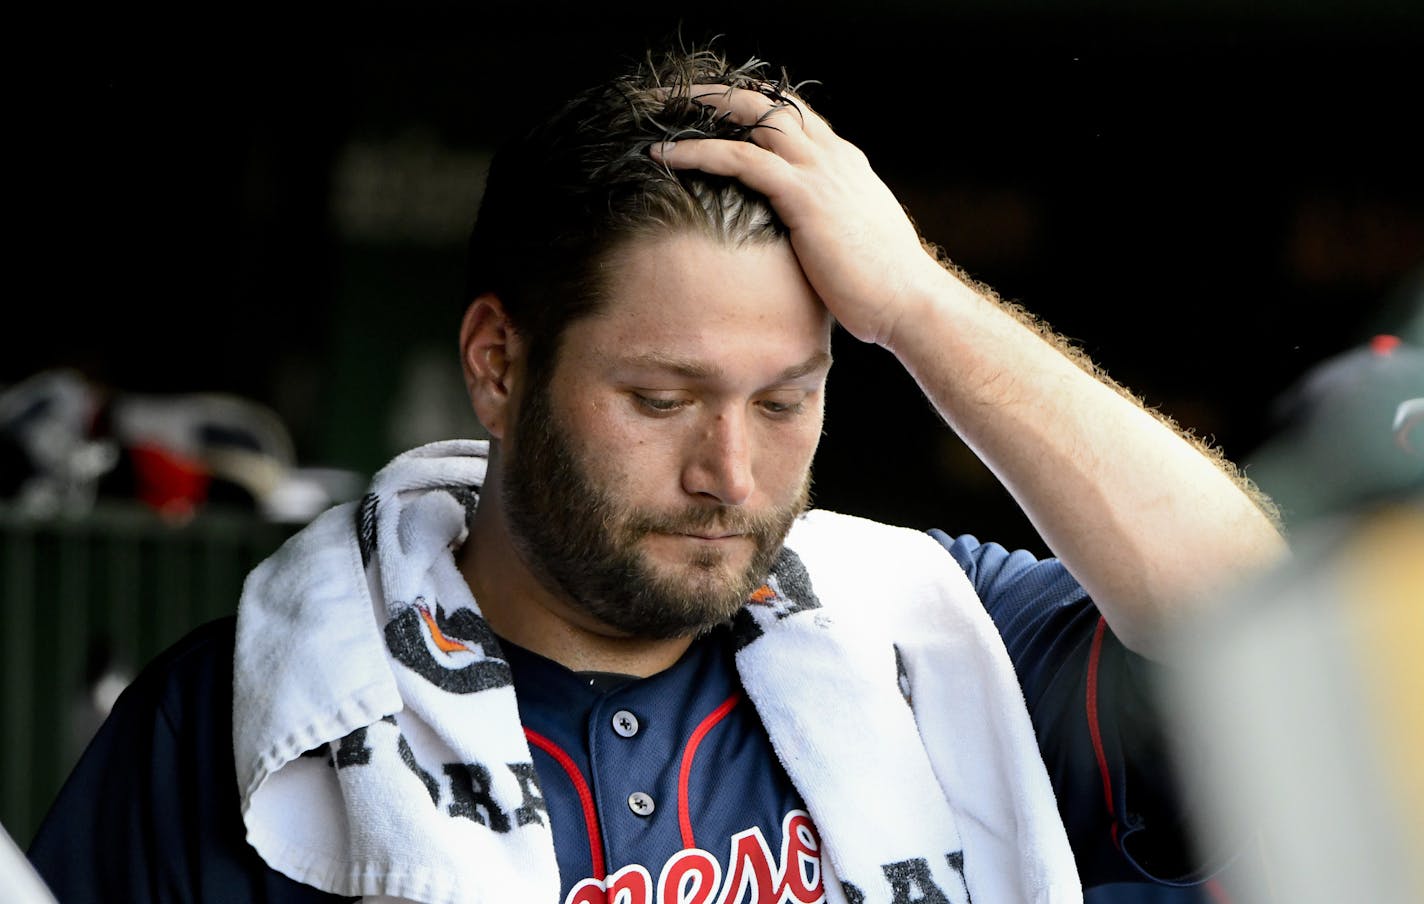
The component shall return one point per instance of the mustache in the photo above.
(709, 520)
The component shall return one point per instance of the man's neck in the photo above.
(520, 608)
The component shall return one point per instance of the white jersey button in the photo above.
(625, 723)
(640, 803)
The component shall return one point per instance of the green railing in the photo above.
(120, 580)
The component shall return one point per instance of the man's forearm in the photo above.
(1145, 518)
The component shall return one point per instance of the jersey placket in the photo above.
(633, 755)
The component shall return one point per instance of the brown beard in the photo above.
(581, 542)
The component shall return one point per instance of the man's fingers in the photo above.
(789, 118)
(757, 168)
(745, 107)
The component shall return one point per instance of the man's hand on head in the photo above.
(855, 243)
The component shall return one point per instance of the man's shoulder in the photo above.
(163, 761)
(189, 676)
(202, 642)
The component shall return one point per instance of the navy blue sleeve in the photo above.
(1091, 704)
(151, 812)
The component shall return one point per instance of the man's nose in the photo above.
(720, 464)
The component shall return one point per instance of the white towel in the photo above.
(379, 750)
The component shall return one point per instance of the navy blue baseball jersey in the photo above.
(645, 770)
(667, 776)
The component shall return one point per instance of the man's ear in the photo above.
(492, 355)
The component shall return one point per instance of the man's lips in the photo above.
(707, 537)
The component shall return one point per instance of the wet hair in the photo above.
(562, 197)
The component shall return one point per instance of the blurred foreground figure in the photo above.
(611, 655)
(17, 877)
(1351, 434)
(1300, 698)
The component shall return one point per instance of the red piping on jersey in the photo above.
(1095, 654)
(1217, 892)
(684, 819)
(585, 796)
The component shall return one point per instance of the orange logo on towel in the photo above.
(445, 644)
(763, 595)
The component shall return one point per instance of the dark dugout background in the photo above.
(274, 204)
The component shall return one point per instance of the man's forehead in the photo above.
(690, 306)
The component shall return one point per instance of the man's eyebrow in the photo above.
(821, 360)
(696, 370)
(658, 361)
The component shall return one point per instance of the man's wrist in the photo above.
(934, 299)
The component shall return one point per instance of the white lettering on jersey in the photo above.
(694, 876)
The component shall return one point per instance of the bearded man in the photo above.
(611, 656)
